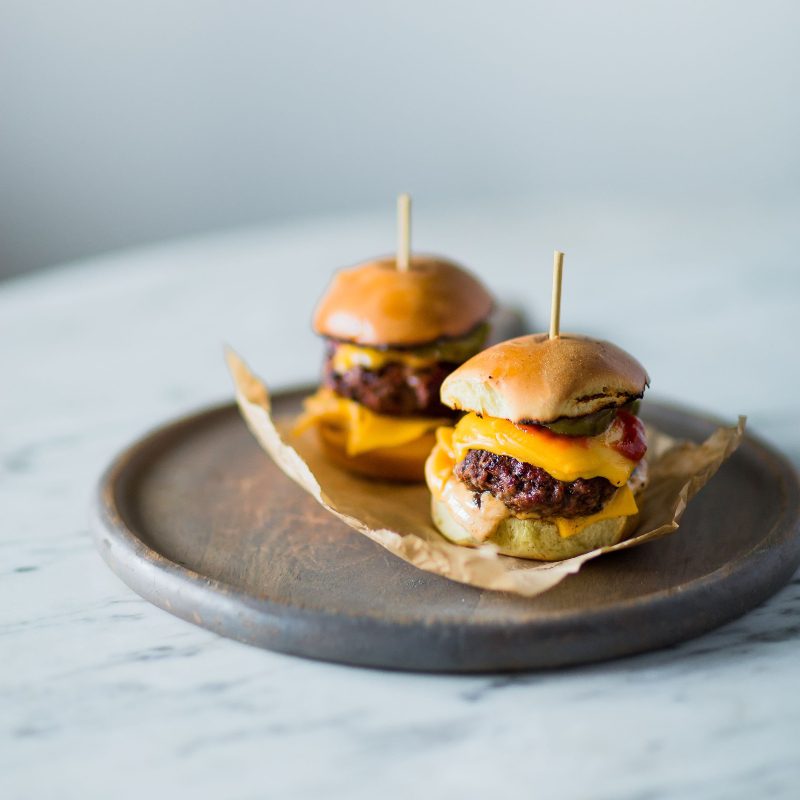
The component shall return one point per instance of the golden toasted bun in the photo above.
(377, 304)
(535, 538)
(405, 462)
(537, 379)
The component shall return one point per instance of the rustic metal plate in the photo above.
(199, 521)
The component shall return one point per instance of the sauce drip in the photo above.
(627, 436)
(480, 520)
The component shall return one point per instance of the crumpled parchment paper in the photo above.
(397, 516)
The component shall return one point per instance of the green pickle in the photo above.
(456, 350)
(591, 424)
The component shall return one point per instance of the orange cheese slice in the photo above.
(365, 429)
(566, 458)
(622, 504)
(348, 356)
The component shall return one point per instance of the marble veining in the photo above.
(102, 695)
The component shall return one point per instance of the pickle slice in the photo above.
(591, 424)
(458, 350)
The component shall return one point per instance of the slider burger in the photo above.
(549, 456)
(392, 336)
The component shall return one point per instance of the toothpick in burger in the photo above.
(549, 456)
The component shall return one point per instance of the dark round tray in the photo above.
(198, 520)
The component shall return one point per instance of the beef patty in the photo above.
(396, 389)
(528, 489)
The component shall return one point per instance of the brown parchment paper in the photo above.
(397, 517)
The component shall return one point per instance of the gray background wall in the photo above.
(126, 122)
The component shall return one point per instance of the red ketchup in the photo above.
(627, 436)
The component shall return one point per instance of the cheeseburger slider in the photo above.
(392, 336)
(549, 456)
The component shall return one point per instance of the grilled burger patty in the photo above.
(528, 489)
(396, 389)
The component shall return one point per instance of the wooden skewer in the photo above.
(403, 232)
(555, 307)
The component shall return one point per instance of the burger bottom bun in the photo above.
(535, 538)
(405, 462)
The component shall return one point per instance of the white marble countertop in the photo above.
(102, 695)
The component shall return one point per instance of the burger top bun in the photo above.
(537, 379)
(376, 304)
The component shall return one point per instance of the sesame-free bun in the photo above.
(377, 304)
(535, 538)
(405, 462)
(537, 379)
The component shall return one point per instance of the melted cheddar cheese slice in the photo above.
(441, 461)
(449, 451)
(348, 356)
(365, 429)
(566, 458)
(622, 504)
